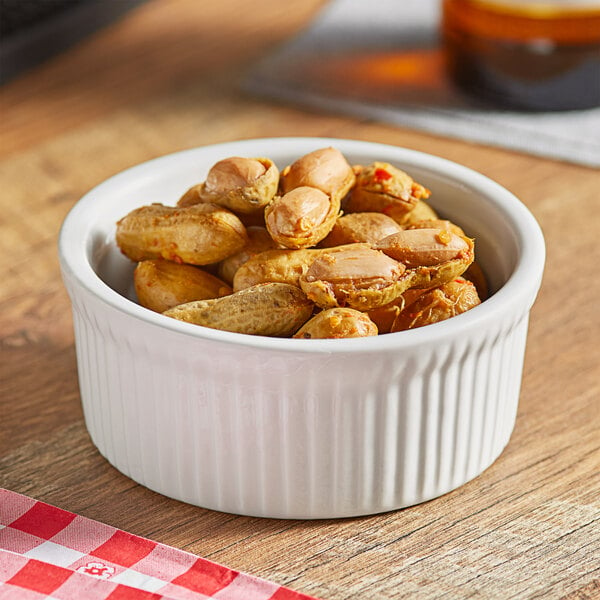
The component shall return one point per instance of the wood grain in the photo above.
(164, 79)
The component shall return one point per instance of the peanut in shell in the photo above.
(433, 256)
(356, 276)
(198, 235)
(325, 169)
(161, 284)
(284, 266)
(422, 211)
(436, 224)
(271, 309)
(438, 304)
(259, 240)
(369, 227)
(384, 316)
(302, 217)
(423, 247)
(337, 323)
(244, 185)
(382, 187)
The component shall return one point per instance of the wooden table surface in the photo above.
(165, 78)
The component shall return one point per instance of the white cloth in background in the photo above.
(321, 69)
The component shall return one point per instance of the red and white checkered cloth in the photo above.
(47, 552)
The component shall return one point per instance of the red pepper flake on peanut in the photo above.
(382, 175)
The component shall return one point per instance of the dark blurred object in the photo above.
(528, 55)
(32, 31)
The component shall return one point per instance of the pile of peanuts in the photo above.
(321, 249)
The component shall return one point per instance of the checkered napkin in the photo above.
(46, 552)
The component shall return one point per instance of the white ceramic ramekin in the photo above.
(300, 428)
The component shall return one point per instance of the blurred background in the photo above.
(33, 31)
(499, 72)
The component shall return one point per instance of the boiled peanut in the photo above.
(197, 235)
(191, 196)
(325, 169)
(301, 218)
(381, 187)
(360, 227)
(438, 304)
(434, 256)
(161, 284)
(384, 316)
(355, 276)
(259, 240)
(337, 323)
(234, 172)
(272, 309)
(284, 266)
(423, 247)
(242, 185)
(436, 224)
(422, 211)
